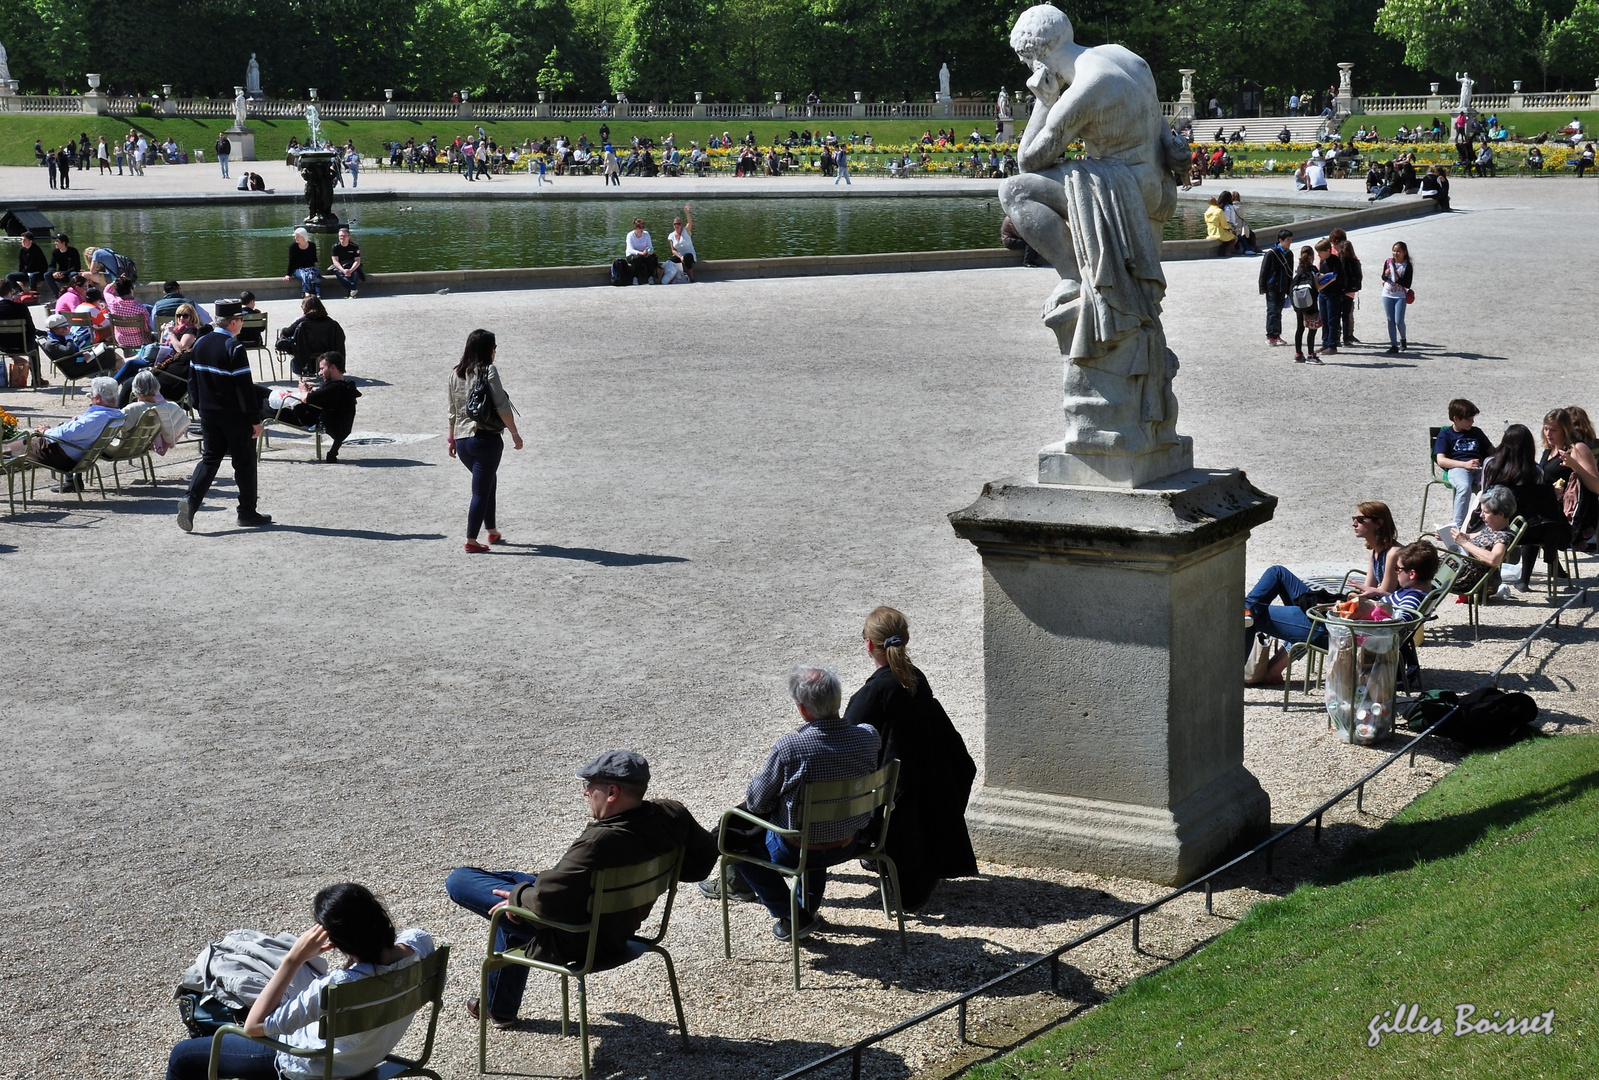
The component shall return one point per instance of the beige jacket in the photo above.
(459, 390)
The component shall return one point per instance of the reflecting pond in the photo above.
(197, 242)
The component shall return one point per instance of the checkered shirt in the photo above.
(826, 749)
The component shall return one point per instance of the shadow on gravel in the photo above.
(316, 530)
(996, 901)
(627, 1045)
(597, 556)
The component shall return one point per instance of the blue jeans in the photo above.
(1464, 481)
(1274, 311)
(1394, 308)
(241, 1059)
(310, 280)
(1285, 622)
(772, 887)
(223, 158)
(352, 280)
(843, 174)
(481, 454)
(1332, 309)
(355, 173)
(473, 889)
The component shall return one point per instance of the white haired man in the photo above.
(63, 446)
(826, 747)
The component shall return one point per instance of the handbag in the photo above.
(480, 407)
(1410, 297)
(1263, 650)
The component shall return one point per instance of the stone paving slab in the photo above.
(719, 481)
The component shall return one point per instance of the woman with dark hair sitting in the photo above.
(308, 337)
(1568, 463)
(927, 835)
(1515, 465)
(1373, 523)
(346, 917)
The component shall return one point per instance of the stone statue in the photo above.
(252, 78)
(5, 65)
(943, 83)
(238, 108)
(1098, 220)
(1466, 83)
(316, 168)
(1002, 107)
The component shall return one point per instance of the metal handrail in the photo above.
(855, 1050)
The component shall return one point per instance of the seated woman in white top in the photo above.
(681, 239)
(640, 254)
(348, 918)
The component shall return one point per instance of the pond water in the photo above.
(192, 243)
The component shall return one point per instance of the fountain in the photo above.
(316, 162)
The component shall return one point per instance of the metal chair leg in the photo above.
(677, 1000)
(583, 1021)
(483, 1020)
(566, 1008)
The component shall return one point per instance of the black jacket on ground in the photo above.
(219, 378)
(927, 835)
(652, 828)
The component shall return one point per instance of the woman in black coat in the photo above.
(309, 336)
(1515, 465)
(927, 832)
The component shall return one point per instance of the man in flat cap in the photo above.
(223, 393)
(627, 829)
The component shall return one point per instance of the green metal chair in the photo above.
(824, 801)
(363, 1005)
(20, 466)
(87, 464)
(1440, 478)
(17, 329)
(131, 322)
(135, 444)
(619, 889)
(258, 344)
(278, 417)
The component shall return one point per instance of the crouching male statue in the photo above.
(1098, 220)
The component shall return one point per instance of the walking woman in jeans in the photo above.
(479, 446)
(1397, 273)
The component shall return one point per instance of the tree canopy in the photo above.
(750, 49)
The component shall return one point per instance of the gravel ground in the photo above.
(719, 482)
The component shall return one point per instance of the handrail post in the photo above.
(1318, 829)
(1208, 909)
(1135, 935)
(1360, 799)
(960, 1027)
(855, 1063)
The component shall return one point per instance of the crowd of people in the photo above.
(894, 716)
(1322, 286)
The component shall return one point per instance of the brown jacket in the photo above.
(653, 828)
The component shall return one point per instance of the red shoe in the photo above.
(495, 537)
(475, 548)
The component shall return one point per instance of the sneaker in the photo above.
(499, 1022)
(1299, 358)
(249, 519)
(1275, 342)
(1502, 593)
(1403, 344)
(185, 515)
(475, 548)
(1331, 350)
(712, 889)
(1352, 340)
(780, 929)
(1313, 359)
(1391, 349)
(354, 293)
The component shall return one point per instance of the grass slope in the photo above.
(18, 132)
(1483, 892)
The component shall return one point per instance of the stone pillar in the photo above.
(1346, 89)
(779, 110)
(699, 103)
(1435, 101)
(243, 140)
(390, 112)
(1113, 653)
(857, 110)
(168, 106)
(1185, 100)
(1518, 100)
(94, 102)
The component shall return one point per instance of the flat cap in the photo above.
(623, 766)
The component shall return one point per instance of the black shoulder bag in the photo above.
(480, 407)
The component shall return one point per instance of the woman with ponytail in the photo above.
(927, 832)
(346, 917)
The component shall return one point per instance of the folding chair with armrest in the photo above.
(277, 417)
(365, 1005)
(616, 890)
(17, 467)
(88, 463)
(131, 322)
(135, 444)
(1439, 478)
(18, 329)
(253, 334)
(823, 801)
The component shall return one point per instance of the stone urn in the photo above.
(94, 81)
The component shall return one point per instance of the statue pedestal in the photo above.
(1113, 651)
(243, 140)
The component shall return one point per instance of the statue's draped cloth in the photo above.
(1118, 329)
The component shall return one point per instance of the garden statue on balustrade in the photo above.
(1098, 220)
(252, 79)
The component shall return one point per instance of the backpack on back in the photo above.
(1304, 297)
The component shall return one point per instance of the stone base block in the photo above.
(1166, 845)
(1057, 466)
(243, 144)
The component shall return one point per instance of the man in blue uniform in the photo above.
(230, 416)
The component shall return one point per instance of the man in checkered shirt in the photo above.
(824, 748)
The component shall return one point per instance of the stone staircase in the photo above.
(1265, 129)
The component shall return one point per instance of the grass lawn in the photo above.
(1483, 892)
(18, 132)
